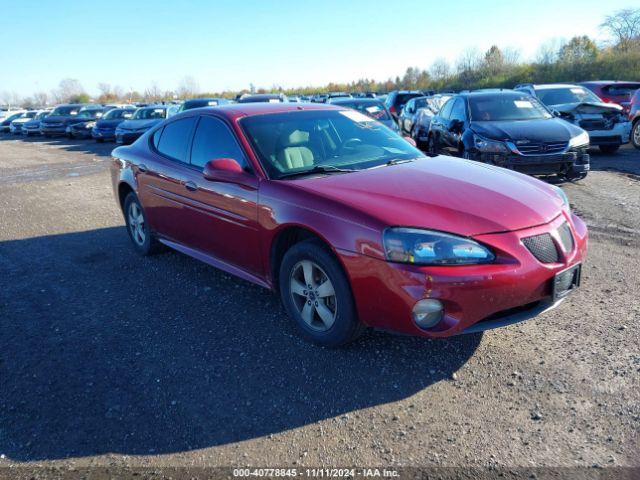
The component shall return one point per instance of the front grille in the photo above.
(542, 247)
(596, 124)
(566, 239)
(538, 148)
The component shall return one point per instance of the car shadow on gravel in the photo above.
(104, 351)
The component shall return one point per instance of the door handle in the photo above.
(142, 168)
(191, 186)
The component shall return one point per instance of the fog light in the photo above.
(427, 313)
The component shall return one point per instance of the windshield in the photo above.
(30, 114)
(149, 113)
(370, 109)
(298, 141)
(41, 115)
(65, 111)
(558, 96)
(118, 113)
(499, 108)
(90, 114)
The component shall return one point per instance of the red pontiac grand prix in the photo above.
(352, 225)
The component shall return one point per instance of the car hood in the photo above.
(443, 193)
(136, 124)
(587, 107)
(22, 120)
(541, 130)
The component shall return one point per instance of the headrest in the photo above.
(297, 137)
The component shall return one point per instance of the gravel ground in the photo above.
(109, 359)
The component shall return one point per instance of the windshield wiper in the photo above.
(317, 169)
(398, 161)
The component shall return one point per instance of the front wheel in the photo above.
(609, 149)
(635, 134)
(316, 294)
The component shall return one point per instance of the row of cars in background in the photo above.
(535, 129)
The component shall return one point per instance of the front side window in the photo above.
(457, 111)
(175, 138)
(213, 140)
(296, 142)
(446, 109)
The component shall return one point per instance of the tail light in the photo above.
(393, 109)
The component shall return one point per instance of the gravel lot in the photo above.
(109, 359)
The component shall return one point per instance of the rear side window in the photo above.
(156, 137)
(175, 138)
(212, 140)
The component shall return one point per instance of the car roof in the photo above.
(347, 100)
(234, 111)
(547, 86)
(491, 93)
(608, 82)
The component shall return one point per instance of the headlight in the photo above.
(426, 247)
(563, 197)
(489, 146)
(580, 140)
(90, 125)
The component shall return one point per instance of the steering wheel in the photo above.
(351, 143)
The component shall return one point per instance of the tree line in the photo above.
(578, 59)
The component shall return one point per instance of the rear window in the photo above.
(403, 98)
(621, 89)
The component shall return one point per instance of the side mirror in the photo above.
(411, 141)
(222, 170)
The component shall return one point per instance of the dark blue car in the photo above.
(60, 118)
(105, 128)
(141, 121)
(512, 130)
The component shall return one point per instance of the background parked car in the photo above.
(398, 98)
(32, 127)
(141, 121)
(60, 118)
(263, 98)
(5, 124)
(105, 127)
(85, 121)
(371, 107)
(202, 102)
(634, 117)
(606, 124)
(618, 92)
(510, 129)
(15, 127)
(422, 121)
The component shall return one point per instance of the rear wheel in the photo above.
(317, 295)
(137, 226)
(635, 134)
(609, 149)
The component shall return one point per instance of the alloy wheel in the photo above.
(136, 224)
(636, 134)
(313, 295)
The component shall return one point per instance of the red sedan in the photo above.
(352, 225)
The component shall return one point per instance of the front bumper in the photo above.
(127, 137)
(618, 135)
(53, 129)
(103, 133)
(475, 297)
(81, 132)
(574, 161)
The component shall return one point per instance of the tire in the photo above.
(635, 134)
(333, 320)
(141, 237)
(432, 147)
(609, 149)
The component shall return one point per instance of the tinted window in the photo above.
(175, 138)
(557, 96)
(494, 108)
(457, 111)
(156, 137)
(446, 110)
(213, 139)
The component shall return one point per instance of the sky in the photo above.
(226, 45)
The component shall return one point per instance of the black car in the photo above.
(421, 120)
(407, 115)
(512, 130)
(202, 102)
(263, 98)
(398, 98)
(85, 121)
(105, 127)
(370, 107)
(60, 118)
